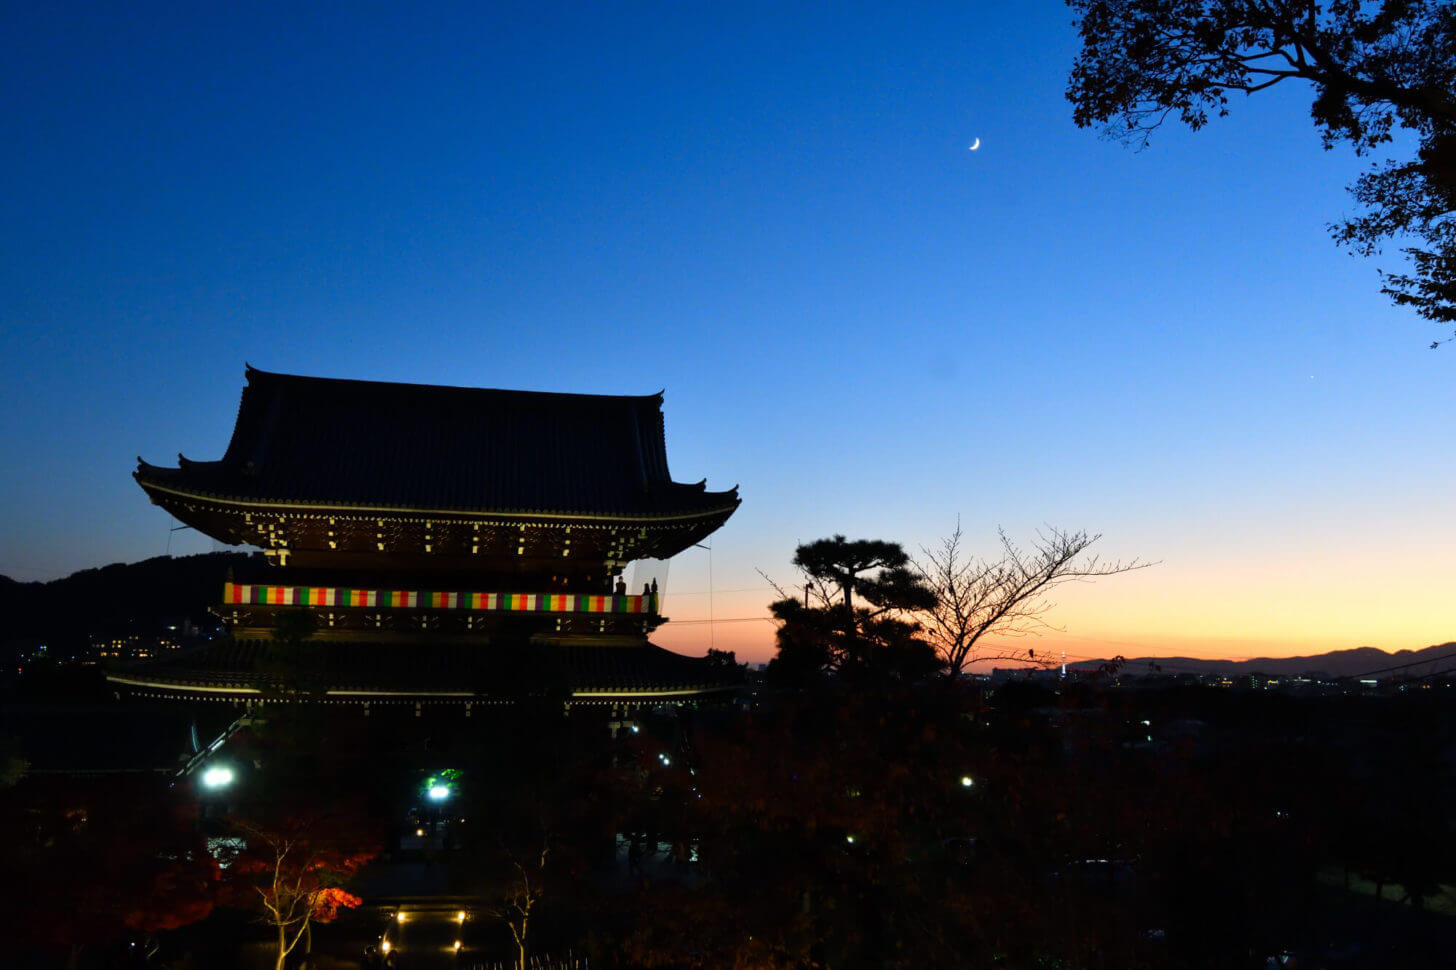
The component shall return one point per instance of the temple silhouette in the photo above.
(444, 546)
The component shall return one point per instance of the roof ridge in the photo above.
(251, 372)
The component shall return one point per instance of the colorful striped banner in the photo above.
(243, 594)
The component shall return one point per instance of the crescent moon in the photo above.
(976, 144)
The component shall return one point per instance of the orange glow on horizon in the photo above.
(1277, 607)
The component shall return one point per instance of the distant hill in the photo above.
(1337, 663)
(122, 597)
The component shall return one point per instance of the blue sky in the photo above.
(772, 214)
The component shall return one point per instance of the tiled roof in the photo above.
(320, 441)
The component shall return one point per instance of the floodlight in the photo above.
(967, 781)
(218, 776)
(438, 793)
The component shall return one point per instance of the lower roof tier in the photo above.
(527, 543)
(452, 670)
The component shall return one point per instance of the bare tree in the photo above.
(1004, 597)
(292, 872)
(527, 884)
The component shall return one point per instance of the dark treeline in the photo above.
(889, 825)
(119, 598)
(860, 807)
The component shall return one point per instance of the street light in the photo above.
(218, 776)
(438, 793)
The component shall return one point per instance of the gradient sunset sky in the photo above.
(773, 215)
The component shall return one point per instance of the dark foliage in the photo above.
(92, 860)
(828, 633)
(120, 598)
(1376, 70)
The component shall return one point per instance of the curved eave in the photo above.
(240, 691)
(154, 488)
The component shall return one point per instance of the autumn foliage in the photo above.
(292, 871)
(97, 858)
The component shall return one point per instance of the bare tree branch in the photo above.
(1004, 597)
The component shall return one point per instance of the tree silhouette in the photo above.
(1375, 69)
(292, 871)
(828, 631)
(1004, 597)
